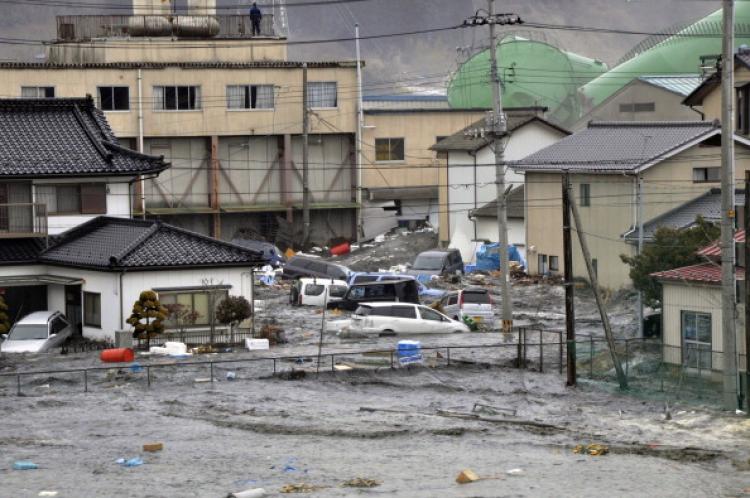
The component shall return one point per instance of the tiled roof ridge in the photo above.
(655, 124)
(283, 64)
(212, 240)
(124, 150)
(115, 259)
(95, 141)
(26, 103)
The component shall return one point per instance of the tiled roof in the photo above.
(261, 64)
(121, 243)
(708, 206)
(708, 273)
(681, 84)
(63, 138)
(617, 147)
(714, 81)
(514, 203)
(714, 250)
(467, 140)
(21, 251)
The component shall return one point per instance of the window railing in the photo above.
(23, 220)
(85, 28)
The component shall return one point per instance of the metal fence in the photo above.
(222, 337)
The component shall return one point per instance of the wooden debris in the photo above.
(360, 482)
(300, 488)
(467, 476)
(591, 449)
(153, 447)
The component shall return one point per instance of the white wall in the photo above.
(472, 187)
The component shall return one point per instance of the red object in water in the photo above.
(341, 249)
(118, 355)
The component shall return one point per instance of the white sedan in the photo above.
(402, 318)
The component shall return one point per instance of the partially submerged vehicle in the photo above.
(474, 303)
(316, 291)
(437, 262)
(270, 252)
(307, 266)
(404, 290)
(426, 293)
(37, 332)
(390, 318)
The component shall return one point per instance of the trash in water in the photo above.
(25, 465)
(153, 447)
(47, 493)
(201, 380)
(515, 472)
(360, 482)
(231, 375)
(131, 462)
(299, 488)
(248, 493)
(136, 368)
(467, 476)
(591, 449)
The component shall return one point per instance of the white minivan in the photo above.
(389, 318)
(473, 302)
(316, 291)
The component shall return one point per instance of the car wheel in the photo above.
(387, 332)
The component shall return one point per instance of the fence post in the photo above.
(274, 366)
(85, 381)
(333, 368)
(518, 354)
(18, 383)
(211, 364)
(392, 360)
(524, 349)
(627, 358)
(591, 357)
(148, 375)
(448, 353)
(541, 351)
(560, 347)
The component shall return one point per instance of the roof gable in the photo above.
(64, 138)
(125, 244)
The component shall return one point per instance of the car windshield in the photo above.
(363, 310)
(424, 262)
(28, 332)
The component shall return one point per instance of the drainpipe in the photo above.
(474, 220)
(140, 140)
(122, 316)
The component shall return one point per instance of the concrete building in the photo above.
(648, 98)
(400, 172)
(223, 106)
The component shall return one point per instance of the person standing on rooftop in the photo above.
(255, 17)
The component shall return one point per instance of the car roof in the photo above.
(322, 280)
(37, 317)
(380, 304)
(383, 282)
(434, 252)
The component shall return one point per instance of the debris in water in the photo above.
(360, 482)
(25, 465)
(591, 449)
(299, 488)
(467, 476)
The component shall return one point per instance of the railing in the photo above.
(23, 220)
(85, 28)
(222, 337)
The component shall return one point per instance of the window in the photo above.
(73, 198)
(361, 279)
(428, 314)
(542, 263)
(322, 94)
(250, 97)
(337, 290)
(743, 109)
(177, 98)
(403, 311)
(706, 175)
(696, 338)
(114, 98)
(476, 297)
(554, 263)
(638, 107)
(57, 325)
(389, 149)
(314, 289)
(92, 309)
(585, 195)
(193, 301)
(595, 264)
(381, 311)
(37, 92)
(453, 299)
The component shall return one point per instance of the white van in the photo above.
(402, 318)
(316, 291)
(473, 302)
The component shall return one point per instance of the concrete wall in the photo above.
(667, 106)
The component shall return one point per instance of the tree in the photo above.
(232, 310)
(671, 248)
(148, 316)
(4, 319)
(181, 317)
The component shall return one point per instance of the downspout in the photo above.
(140, 140)
(474, 220)
(122, 316)
(700, 113)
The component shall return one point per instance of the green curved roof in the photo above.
(679, 53)
(534, 73)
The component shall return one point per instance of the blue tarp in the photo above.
(488, 257)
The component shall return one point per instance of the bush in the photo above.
(148, 316)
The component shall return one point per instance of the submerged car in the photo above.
(270, 252)
(437, 262)
(316, 291)
(37, 332)
(402, 318)
(426, 293)
(403, 290)
(474, 303)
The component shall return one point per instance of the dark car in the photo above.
(303, 266)
(270, 252)
(403, 291)
(437, 262)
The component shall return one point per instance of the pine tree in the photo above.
(148, 316)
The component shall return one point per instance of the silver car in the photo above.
(37, 332)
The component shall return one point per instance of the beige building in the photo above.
(399, 170)
(673, 162)
(224, 107)
(648, 98)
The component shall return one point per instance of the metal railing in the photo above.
(23, 220)
(88, 27)
(222, 337)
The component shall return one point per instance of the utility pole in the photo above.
(305, 165)
(747, 293)
(621, 378)
(728, 282)
(360, 126)
(570, 319)
(639, 200)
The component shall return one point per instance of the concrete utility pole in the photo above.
(360, 125)
(728, 298)
(639, 200)
(570, 318)
(747, 293)
(305, 165)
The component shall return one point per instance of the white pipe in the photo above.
(140, 140)
(360, 124)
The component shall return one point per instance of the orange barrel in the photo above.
(118, 355)
(341, 249)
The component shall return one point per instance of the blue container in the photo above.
(409, 352)
(25, 465)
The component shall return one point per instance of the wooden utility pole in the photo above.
(747, 293)
(621, 379)
(305, 165)
(728, 282)
(570, 330)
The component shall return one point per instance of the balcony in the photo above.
(86, 28)
(19, 220)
